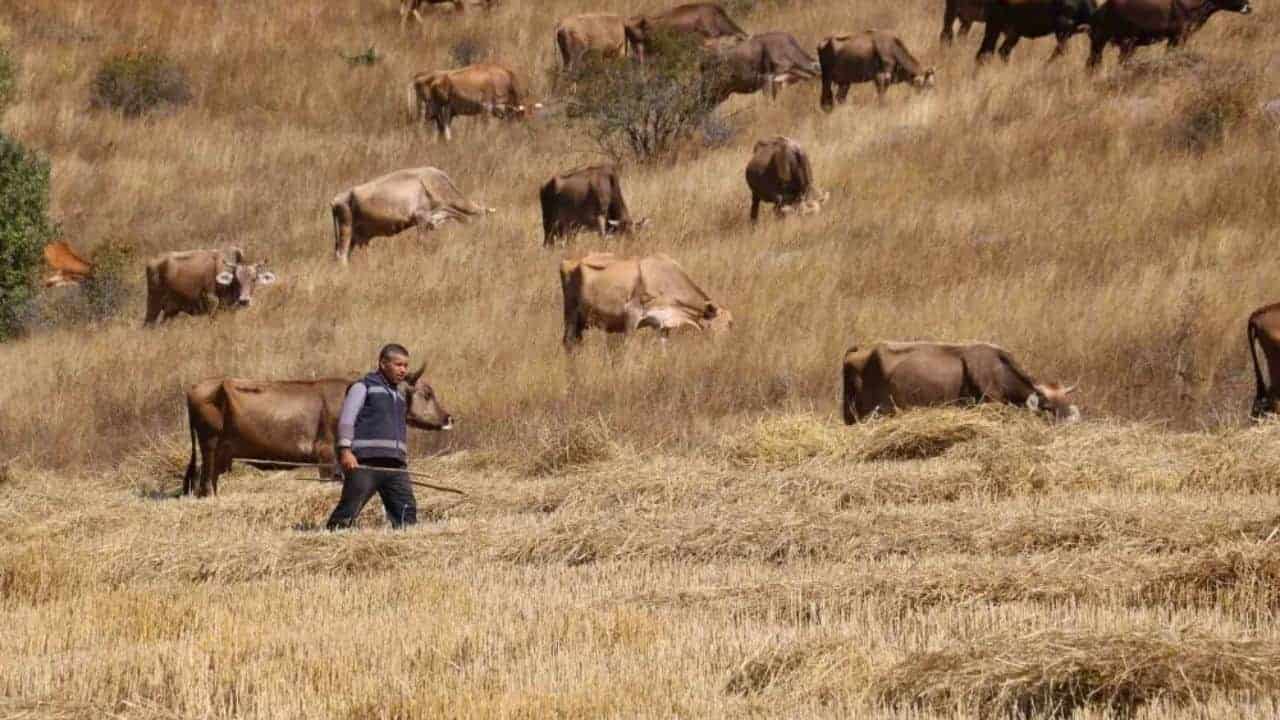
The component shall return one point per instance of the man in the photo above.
(372, 433)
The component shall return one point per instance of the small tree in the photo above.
(136, 82)
(24, 230)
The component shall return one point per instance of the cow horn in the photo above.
(413, 377)
(1071, 389)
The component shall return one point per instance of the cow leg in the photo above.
(153, 310)
(1060, 48)
(965, 25)
(883, 80)
(1010, 40)
(755, 207)
(1097, 44)
(989, 39)
(444, 115)
(343, 222)
(842, 94)
(948, 19)
(602, 225)
(1127, 46)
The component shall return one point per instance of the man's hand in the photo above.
(348, 460)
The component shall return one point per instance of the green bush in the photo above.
(136, 82)
(24, 230)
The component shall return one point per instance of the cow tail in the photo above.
(548, 200)
(1252, 334)
(190, 475)
(847, 399)
(826, 63)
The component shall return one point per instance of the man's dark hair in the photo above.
(391, 349)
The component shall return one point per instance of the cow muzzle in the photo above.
(244, 302)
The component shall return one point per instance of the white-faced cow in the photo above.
(764, 62)
(423, 197)
(706, 20)
(1134, 23)
(487, 90)
(621, 295)
(586, 198)
(1016, 19)
(65, 266)
(283, 421)
(603, 34)
(891, 376)
(198, 282)
(779, 173)
(1263, 331)
(869, 56)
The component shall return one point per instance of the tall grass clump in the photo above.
(139, 81)
(8, 79)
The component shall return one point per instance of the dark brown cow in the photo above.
(198, 282)
(1016, 19)
(705, 19)
(762, 62)
(602, 33)
(1263, 331)
(286, 421)
(65, 266)
(890, 376)
(587, 198)
(868, 56)
(779, 173)
(1134, 23)
(622, 295)
(488, 90)
(967, 12)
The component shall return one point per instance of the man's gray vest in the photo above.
(380, 425)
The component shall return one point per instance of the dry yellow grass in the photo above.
(648, 533)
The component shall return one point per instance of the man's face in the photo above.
(394, 368)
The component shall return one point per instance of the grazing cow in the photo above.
(198, 282)
(284, 421)
(602, 33)
(1133, 23)
(65, 266)
(706, 19)
(967, 12)
(621, 295)
(423, 197)
(762, 62)
(867, 56)
(485, 89)
(897, 375)
(779, 173)
(415, 8)
(1264, 330)
(1016, 19)
(585, 198)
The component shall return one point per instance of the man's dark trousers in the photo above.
(392, 487)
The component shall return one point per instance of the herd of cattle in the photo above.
(295, 421)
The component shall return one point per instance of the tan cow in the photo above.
(889, 376)
(1263, 330)
(65, 266)
(705, 19)
(600, 33)
(423, 197)
(779, 173)
(868, 56)
(289, 421)
(765, 62)
(198, 282)
(486, 89)
(621, 295)
(585, 198)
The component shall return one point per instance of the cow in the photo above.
(779, 173)
(1263, 330)
(414, 8)
(762, 62)
(198, 282)
(585, 198)
(602, 33)
(1134, 23)
(705, 19)
(65, 266)
(282, 421)
(889, 376)
(485, 89)
(423, 197)
(1016, 19)
(868, 56)
(622, 295)
(967, 12)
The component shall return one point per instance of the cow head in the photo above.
(715, 318)
(1051, 398)
(237, 280)
(424, 409)
(924, 81)
(637, 32)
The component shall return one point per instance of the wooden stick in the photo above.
(441, 488)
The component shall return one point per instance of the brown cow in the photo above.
(706, 19)
(967, 12)
(890, 376)
(585, 198)
(484, 89)
(867, 56)
(621, 295)
(602, 33)
(198, 282)
(1016, 19)
(423, 197)
(285, 421)
(1264, 330)
(415, 8)
(1133, 23)
(65, 266)
(762, 62)
(779, 173)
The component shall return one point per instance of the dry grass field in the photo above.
(649, 533)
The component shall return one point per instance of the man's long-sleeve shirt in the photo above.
(350, 409)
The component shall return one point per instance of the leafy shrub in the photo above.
(467, 51)
(24, 230)
(136, 82)
(105, 292)
(369, 57)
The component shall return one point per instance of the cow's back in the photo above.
(604, 32)
(397, 195)
(855, 58)
(186, 275)
(281, 420)
(607, 285)
(707, 19)
(663, 280)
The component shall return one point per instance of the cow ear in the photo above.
(1033, 401)
(224, 278)
(413, 377)
(266, 278)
